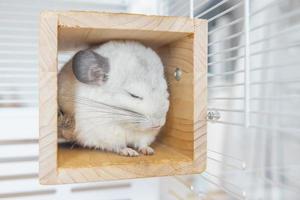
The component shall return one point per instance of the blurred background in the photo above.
(253, 86)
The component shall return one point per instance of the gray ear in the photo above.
(90, 67)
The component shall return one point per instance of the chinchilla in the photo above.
(117, 95)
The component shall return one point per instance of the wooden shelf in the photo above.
(88, 158)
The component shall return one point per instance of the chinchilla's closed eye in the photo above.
(135, 96)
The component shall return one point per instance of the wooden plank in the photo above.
(85, 158)
(48, 42)
(97, 27)
(75, 38)
(200, 88)
(123, 21)
(48, 127)
(179, 54)
(48, 98)
(75, 165)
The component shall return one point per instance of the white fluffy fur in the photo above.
(134, 68)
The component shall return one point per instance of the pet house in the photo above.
(182, 45)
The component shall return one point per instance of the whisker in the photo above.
(111, 106)
(109, 117)
(101, 122)
(112, 117)
(107, 109)
(95, 104)
(106, 113)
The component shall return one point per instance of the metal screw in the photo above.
(177, 74)
(213, 115)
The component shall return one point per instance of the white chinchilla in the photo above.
(118, 96)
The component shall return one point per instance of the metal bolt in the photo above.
(177, 74)
(213, 115)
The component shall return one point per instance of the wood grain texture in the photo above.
(180, 42)
(122, 21)
(100, 27)
(48, 99)
(85, 165)
(73, 38)
(178, 131)
(48, 42)
(200, 89)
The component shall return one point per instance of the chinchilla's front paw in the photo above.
(128, 152)
(146, 150)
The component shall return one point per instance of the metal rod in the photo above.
(226, 50)
(226, 73)
(226, 60)
(278, 19)
(234, 22)
(10, 101)
(33, 30)
(228, 123)
(191, 9)
(12, 44)
(18, 84)
(19, 87)
(189, 186)
(226, 98)
(243, 163)
(19, 159)
(227, 110)
(276, 49)
(19, 177)
(18, 70)
(211, 8)
(199, 5)
(18, 61)
(277, 34)
(291, 131)
(238, 34)
(224, 163)
(19, 141)
(18, 13)
(18, 92)
(236, 195)
(33, 52)
(277, 98)
(26, 75)
(273, 82)
(247, 63)
(23, 37)
(280, 66)
(275, 114)
(267, 6)
(226, 11)
(224, 180)
(224, 85)
(22, 21)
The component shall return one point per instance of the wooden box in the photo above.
(181, 147)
